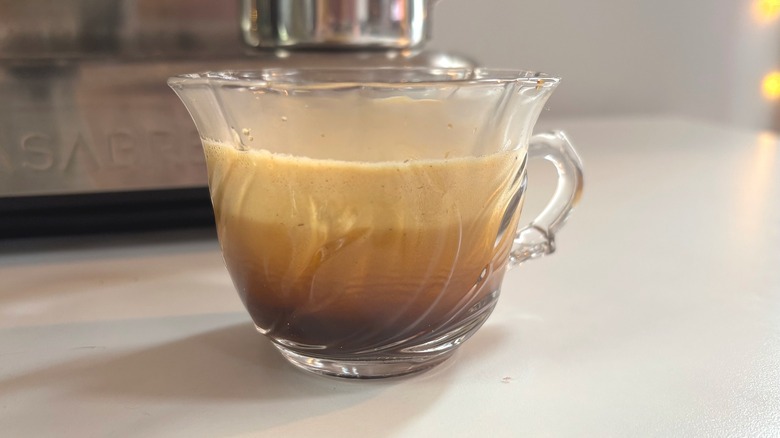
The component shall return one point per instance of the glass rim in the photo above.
(338, 77)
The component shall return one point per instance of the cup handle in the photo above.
(538, 238)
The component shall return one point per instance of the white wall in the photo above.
(702, 58)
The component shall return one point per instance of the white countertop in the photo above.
(658, 316)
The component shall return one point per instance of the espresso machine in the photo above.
(91, 137)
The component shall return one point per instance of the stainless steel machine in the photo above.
(92, 139)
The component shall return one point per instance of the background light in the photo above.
(767, 10)
(770, 86)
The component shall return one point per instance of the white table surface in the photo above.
(658, 316)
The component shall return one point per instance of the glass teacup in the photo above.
(367, 216)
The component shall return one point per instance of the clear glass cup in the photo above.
(367, 216)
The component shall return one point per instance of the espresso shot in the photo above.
(342, 257)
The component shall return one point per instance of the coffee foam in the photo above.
(277, 187)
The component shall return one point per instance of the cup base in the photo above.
(363, 369)
(402, 359)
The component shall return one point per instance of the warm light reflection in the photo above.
(770, 85)
(766, 140)
(766, 10)
(757, 186)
